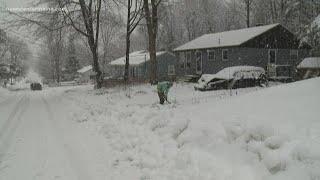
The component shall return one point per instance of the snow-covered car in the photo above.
(35, 86)
(233, 77)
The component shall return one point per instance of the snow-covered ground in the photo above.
(122, 133)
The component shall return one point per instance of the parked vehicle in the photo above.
(232, 78)
(35, 86)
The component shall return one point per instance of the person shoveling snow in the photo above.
(163, 89)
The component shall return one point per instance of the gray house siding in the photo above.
(163, 62)
(238, 56)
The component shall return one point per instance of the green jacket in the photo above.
(163, 87)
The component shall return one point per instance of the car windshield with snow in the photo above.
(233, 77)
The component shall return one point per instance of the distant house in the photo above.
(140, 65)
(309, 68)
(272, 47)
(85, 74)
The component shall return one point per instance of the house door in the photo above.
(272, 58)
(198, 62)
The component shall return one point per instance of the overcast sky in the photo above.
(16, 3)
(23, 33)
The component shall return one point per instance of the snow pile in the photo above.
(269, 134)
(311, 62)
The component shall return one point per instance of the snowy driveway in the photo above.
(37, 141)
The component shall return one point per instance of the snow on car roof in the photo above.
(231, 72)
(85, 69)
(136, 58)
(225, 39)
(310, 62)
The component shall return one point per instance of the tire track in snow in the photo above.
(10, 126)
(75, 163)
(6, 101)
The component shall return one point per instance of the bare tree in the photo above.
(91, 20)
(110, 25)
(134, 16)
(3, 44)
(248, 4)
(151, 16)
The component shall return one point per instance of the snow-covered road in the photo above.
(37, 141)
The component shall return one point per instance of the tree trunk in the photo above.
(152, 26)
(126, 68)
(92, 36)
(96, 68)
(248, 13)
(153, 58)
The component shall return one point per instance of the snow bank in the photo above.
(267, 134)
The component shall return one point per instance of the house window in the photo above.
(294, 55)
(225, 54)
(211, 55)
(272, 56)
(188, 58)
(171, 70)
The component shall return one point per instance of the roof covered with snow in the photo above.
(85, 69)
(225, 39)
(136, 58)
(310, 62)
